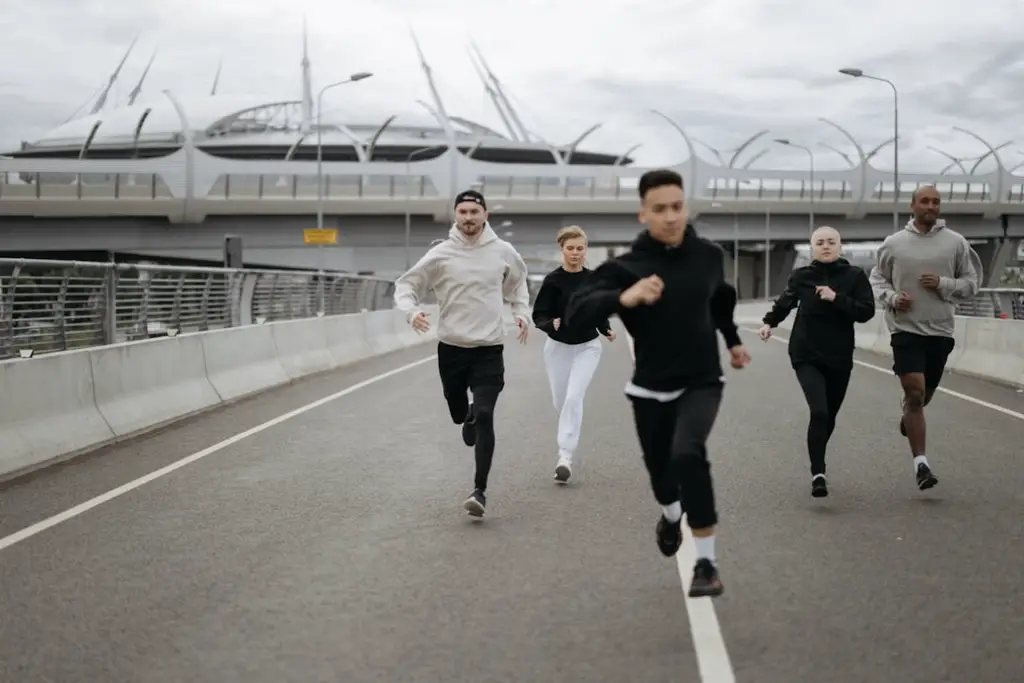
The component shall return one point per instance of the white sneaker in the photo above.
(563, 470)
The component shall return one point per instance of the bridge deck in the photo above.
(331, 546)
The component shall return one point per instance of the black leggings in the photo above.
(824, 388)
(480, 370)
(673, 438)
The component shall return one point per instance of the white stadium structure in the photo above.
(249, 127)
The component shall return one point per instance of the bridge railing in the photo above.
(49, 305)
(71, 186)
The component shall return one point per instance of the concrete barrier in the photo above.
(987, 348)
(302, 346)
(58, 405)
(47, 409)
(140, 385)
(242, 360)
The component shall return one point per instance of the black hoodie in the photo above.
(674, 339)
(823, 330)
(554, 294)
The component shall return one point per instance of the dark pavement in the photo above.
(332, 547)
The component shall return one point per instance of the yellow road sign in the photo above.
(320, 236)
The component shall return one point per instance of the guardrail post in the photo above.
(110, 305)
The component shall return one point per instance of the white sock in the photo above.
(673, 513)
(817, 476)
(705, 547)
(918, 459)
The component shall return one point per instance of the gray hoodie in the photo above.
(472, 280)
(909, 254)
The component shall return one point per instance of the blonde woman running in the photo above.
(571, 354)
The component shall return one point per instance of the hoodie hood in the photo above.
(644, 242)
(486, 236)
(940, 223)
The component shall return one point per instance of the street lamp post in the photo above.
(319, 143)
(408, 198)
(858, 73)
(810, 155)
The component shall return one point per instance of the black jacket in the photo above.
(674, 339)
(823, 331)
(553, 297)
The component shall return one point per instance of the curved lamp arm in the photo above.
(995, 155)
(844, 155)
(956, 162)
(689, 146)
(987, 154)
(860, 153)
(746, 143)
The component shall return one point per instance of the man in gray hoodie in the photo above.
(474, 274)
(922, 272)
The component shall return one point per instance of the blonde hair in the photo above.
(570, 232)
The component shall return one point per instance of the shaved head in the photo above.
(826, 244)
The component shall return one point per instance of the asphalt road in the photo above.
(332, 547)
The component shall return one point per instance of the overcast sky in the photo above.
(723, 69)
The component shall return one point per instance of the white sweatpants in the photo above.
(570, 369)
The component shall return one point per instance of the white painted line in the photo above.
(712, 656)
(71, 513)
(888, 371)
(713, 661)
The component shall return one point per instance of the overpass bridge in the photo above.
(280, 501)
(386, 213)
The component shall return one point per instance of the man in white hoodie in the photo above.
(473, 273)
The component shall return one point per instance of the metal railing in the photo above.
(48, 306)
(1006, 303)
(575, 184)
(996, 302)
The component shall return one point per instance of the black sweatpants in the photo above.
(481, 370)
(824, 389)
(673, 438)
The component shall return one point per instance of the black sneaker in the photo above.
(705, 580)
(476, 503)
(670, 536)
(819, 488)
(925, 478)
(469, 428)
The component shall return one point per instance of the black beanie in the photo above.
(471, 196)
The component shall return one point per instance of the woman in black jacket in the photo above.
(832, 295)
(571, 353)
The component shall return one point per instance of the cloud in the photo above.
(724, 69)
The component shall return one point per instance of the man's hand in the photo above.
(825, 292)
(929, 281)
(524, 330)
(556, 323)
(765, 333)
(420, 323)
(645, 291)
(902, 302)
(740, 356)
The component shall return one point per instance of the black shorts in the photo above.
(473, 369)
(918, 353)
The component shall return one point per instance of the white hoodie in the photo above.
(472, 282)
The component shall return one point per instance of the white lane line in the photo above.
(82, 508)
(888, 371)
(713, 661)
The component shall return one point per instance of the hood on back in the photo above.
(487, 235)
(940, 223)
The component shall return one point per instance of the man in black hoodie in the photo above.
(832, 295)
(670, 292)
